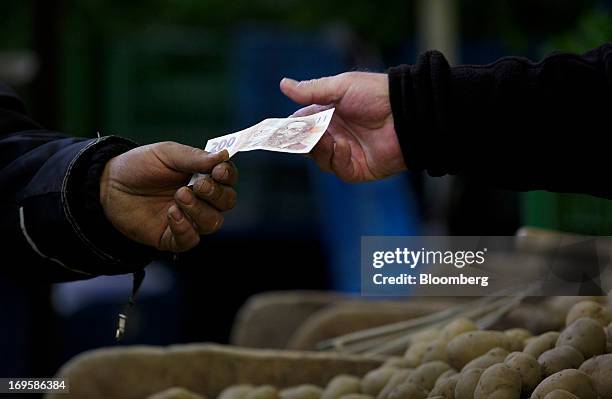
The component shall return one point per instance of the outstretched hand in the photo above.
(360, 143)
(144, 196)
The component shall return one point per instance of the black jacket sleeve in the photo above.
(513, 124)
(52, 224)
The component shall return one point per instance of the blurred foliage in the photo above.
(377, 24)
(518, 23)
(593, 29)
(16, 25)
(385, 24)
(380, 23)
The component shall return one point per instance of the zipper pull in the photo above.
(122, 321)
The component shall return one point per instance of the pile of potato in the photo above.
(459, 361)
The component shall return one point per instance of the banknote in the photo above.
(296, 135)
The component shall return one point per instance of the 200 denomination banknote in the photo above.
(296, 135)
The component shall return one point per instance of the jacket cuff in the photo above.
(401, 96)
(420, 106)
(86, 215)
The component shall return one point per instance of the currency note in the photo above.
(296, 135)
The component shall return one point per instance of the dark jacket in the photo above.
(513, 124)
(51, 218)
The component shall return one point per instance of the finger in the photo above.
(341, 162)
(186, 159)
(310, 110)
(218, 195)
(322, 153)
(182, 236)
(325, 90)
(225, 173)
(207, 218)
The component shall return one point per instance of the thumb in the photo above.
(325, 90)
(186, 159)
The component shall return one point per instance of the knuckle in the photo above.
(181, 227)
(194, 241)
(218, 223)
(214, 224)
(197, 152)
(185, 242)
(350, 76)
(171, 146)
(166, 144)
(201, 186)
(216, 192)
(232, 199)
(187, 207)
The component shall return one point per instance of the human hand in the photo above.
(360, 143)
(144, 196)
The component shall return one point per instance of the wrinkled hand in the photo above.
(360, 143)
(144, 196)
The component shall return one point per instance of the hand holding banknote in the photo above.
(143, 194)
(360, 143)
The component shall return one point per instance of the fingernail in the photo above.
(206, 187)
(184, 196)
(289, 81)
(225, 173)
(175, 214)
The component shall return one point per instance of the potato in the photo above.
(540, 344)
(436, 350)
(447, 374)
(515, 343)
(466, 385)
(468, 346)
(374, 381)
(599, 369)
(414, 354)
(570, 380)
(457, 327)
(494, 356)
(408, 390)
(586, 335)
(560, 358)
(445, 387)
(499, 381)
(609, 337)
(398, 363)
(426, 335)
(527, 367)
(263, 392)
(357, 396)
(590, 309)
(304, 391)
(236, 392)
(518, 335)
(608, 309)
(426, 374)
(562, 304)
(176, 393)
(341, 385)
(398, 377)
(560, 394)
